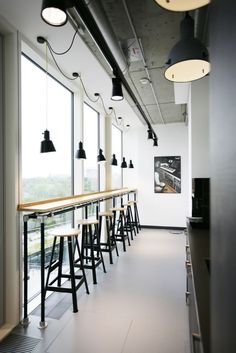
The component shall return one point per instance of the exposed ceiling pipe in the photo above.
(143, 59)
(100, 18)
(84, 10)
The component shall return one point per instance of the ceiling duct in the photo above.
(100, 18)
(93, 17)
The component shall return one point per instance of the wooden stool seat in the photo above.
(65, 233)
(131, 202)
(118, 209)
(106, 213)
(87, 221)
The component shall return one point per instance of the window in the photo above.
(91, 148)
(117, 150)
(44, 175)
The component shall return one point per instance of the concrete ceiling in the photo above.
(156, 29)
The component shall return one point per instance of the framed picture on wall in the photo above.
(167, 174)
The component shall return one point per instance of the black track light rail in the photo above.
(94, 30)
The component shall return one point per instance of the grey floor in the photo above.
(138, 306)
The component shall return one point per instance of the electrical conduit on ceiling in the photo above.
(92, 15)
(143, 59)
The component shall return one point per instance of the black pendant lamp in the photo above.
(155, 143)
(131, 164)
(182, 5)
(47, 144)
(123, 164)
(117, 94)
(80, 153)
(188, 59)
(54, 11)
(150, 135)
(114, 160)
(100, 157)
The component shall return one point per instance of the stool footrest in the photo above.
(64, 289)
(54, 266)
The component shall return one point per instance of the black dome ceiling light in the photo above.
(189, 58)
(54, 11)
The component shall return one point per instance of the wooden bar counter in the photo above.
(48, 208)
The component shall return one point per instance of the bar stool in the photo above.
(89, 246)
(129, 221)
(109, 244)
(136, 214)
(57, 264)
(120, 232)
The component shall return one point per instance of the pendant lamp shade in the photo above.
(150, 137)
(182, 5)
(47, 144)
(131, 164)
(80, 153)
(100, 157)
(54, 12)
(114, 160)
(117, 94)
(123, 164)
(188, 59)
(155, 143)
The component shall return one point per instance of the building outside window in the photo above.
(44, 175)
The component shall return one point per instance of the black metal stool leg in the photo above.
(72, 275)
(92, 254)
(81, 264)
(126, 229)
(61, 250)
(109, 239)
(121, 219)
(137, 216)
(50, 263)
(99, 247)
(112, 235)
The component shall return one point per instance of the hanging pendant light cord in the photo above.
(67, 50)
(75, 77)
(46, 85)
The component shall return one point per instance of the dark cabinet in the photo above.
(197, 288)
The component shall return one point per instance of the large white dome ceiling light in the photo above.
(182, 5)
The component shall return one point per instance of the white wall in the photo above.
(200, 128)
(158, 209)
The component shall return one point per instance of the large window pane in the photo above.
(44, 175)
(117, 150)
(91, 148)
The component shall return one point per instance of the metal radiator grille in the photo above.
(19, 344)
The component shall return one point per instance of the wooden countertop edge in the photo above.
(71, 200)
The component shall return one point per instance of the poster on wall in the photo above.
(167, 174)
